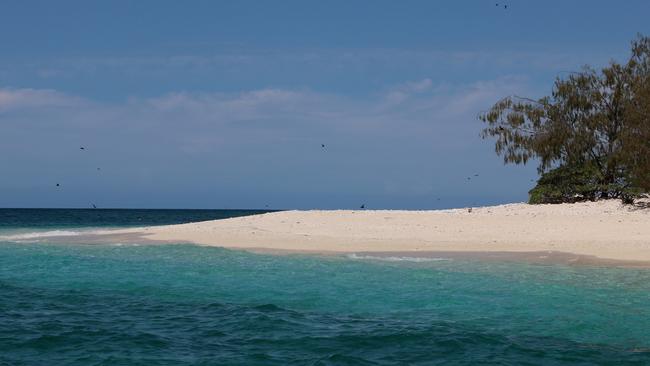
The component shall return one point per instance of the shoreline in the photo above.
(601, 232)
(538, 258)
(531, 257)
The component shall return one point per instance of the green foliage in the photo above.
(637, 136)
(575, 184)
(591, 136)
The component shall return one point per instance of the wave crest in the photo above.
(396, 258)
(36, 235)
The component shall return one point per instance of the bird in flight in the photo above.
(322, 145)
(82, 148)
(58, 185)
(93, 205)
(363, 206)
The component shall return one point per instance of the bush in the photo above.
(574, 184)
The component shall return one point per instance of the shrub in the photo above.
(567, 184)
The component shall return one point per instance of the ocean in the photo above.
(180, 304)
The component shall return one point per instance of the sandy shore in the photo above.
(601, 230)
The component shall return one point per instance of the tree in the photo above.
(637, 137)
(591, 127)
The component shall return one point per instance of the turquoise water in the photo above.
(186, 305)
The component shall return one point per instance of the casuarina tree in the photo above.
(589, 137)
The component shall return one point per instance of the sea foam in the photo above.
(396, 258)
(36, 235)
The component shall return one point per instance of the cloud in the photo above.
(445, 104)
(235, 106)
(402, 92)
(258, 140)
(11, 99)
(477, 96)
(412, 108)
(298, 66)
(418, 86)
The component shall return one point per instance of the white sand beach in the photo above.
(603, 229)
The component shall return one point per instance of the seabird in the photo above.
(58, 185)
(363, 206)
(322, 145)
(93, 205)
(82, 148)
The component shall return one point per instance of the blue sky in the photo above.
(225, 104)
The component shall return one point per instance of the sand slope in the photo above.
(605, 229)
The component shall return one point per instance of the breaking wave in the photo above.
(38, 235)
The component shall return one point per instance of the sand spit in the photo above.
(602, 230)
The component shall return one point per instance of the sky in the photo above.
(226, 104)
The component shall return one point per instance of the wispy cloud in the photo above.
(35, 98)
(407, 109)
(376, 144)
(312, 63)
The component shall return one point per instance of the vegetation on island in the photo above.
(590, 137)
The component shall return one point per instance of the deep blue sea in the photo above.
(75, 304)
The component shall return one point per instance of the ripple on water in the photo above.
(185, 305)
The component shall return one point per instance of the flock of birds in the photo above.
(363, 206)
